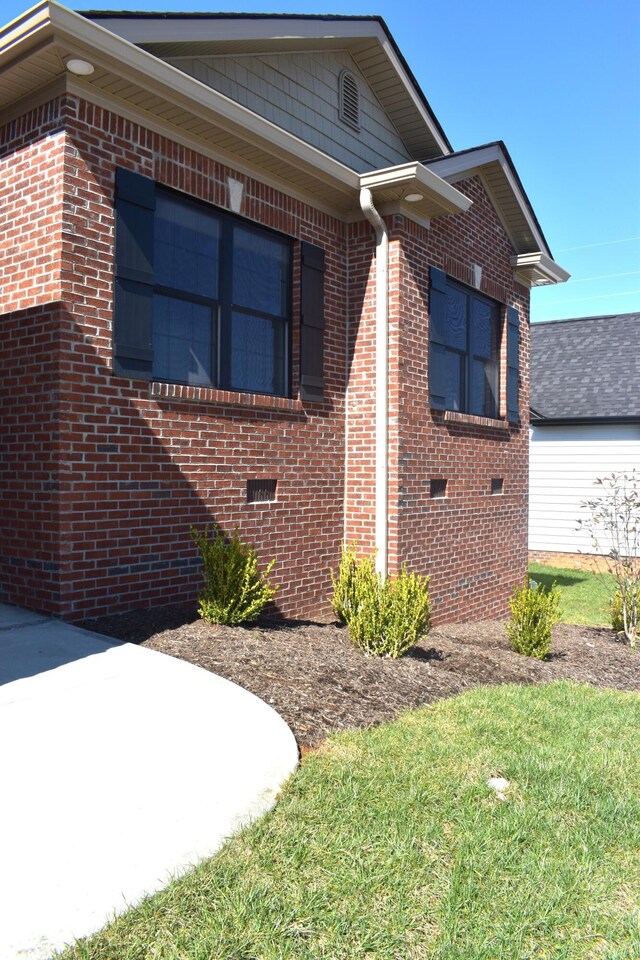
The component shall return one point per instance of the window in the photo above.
(464, 359)
(465, 348)
(202, 297)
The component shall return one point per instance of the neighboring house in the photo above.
(585, 424)
(245, 279)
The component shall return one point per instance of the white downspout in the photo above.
(382, 379)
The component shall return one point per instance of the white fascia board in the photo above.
(180, 88)
(193, 29)
(455, 168)
(25, 30)
(461, 165)
(418, 176)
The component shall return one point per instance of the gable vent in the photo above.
(349, 99)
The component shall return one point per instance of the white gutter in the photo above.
(382, 379)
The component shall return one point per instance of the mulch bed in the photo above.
(313, 676)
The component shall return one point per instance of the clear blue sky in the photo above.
(557, 80)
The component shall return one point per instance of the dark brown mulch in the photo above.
(319, 682)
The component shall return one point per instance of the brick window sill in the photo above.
(223, 398)
(469, 419)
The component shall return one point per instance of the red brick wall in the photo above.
(30, 465)
(31, 171)
(105, 476)
(473, 544)
(141, 463)
(31, 176)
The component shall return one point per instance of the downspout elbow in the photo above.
(372, 215)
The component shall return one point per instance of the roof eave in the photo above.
(77, 36)
(431, 195)
(492, 162)
(74, 35)
(542, 421)
(149, 30)
(538, 270)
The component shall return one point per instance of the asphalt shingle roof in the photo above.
(586, 368)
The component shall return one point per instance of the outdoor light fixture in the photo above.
(81, 68)
(414, 197)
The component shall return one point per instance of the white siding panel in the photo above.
(299, 92)
(564, 463)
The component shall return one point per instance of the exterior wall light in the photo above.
(81, 68)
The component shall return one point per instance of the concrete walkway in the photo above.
(120, 767)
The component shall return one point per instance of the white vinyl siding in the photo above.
(564, 463)
(301, 94)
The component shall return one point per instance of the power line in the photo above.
(605, 276)
(604, 243)
(600, 296)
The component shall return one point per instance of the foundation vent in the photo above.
(261, 491)
(438, 487)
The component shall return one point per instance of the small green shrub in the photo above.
(345, 584)
(534, 610)
(617, 610)
(617, 618)
(385, 618)
(234, 589)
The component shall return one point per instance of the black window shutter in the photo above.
(312, 267)
(437, 338)
(513, 364)
(133, 295)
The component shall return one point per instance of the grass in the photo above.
(584, 596)
(388, 845)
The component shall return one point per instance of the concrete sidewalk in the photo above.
(120, 768)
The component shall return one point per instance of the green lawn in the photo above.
(388, 845)
(584, 596)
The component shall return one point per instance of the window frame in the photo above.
(467, 356)
(223, 307)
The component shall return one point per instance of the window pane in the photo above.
(260, 272)
(257, 354)
(484, 388)
(456, 333)
(186, 243)
(182, 335)
(484, 329)
(453, 375)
